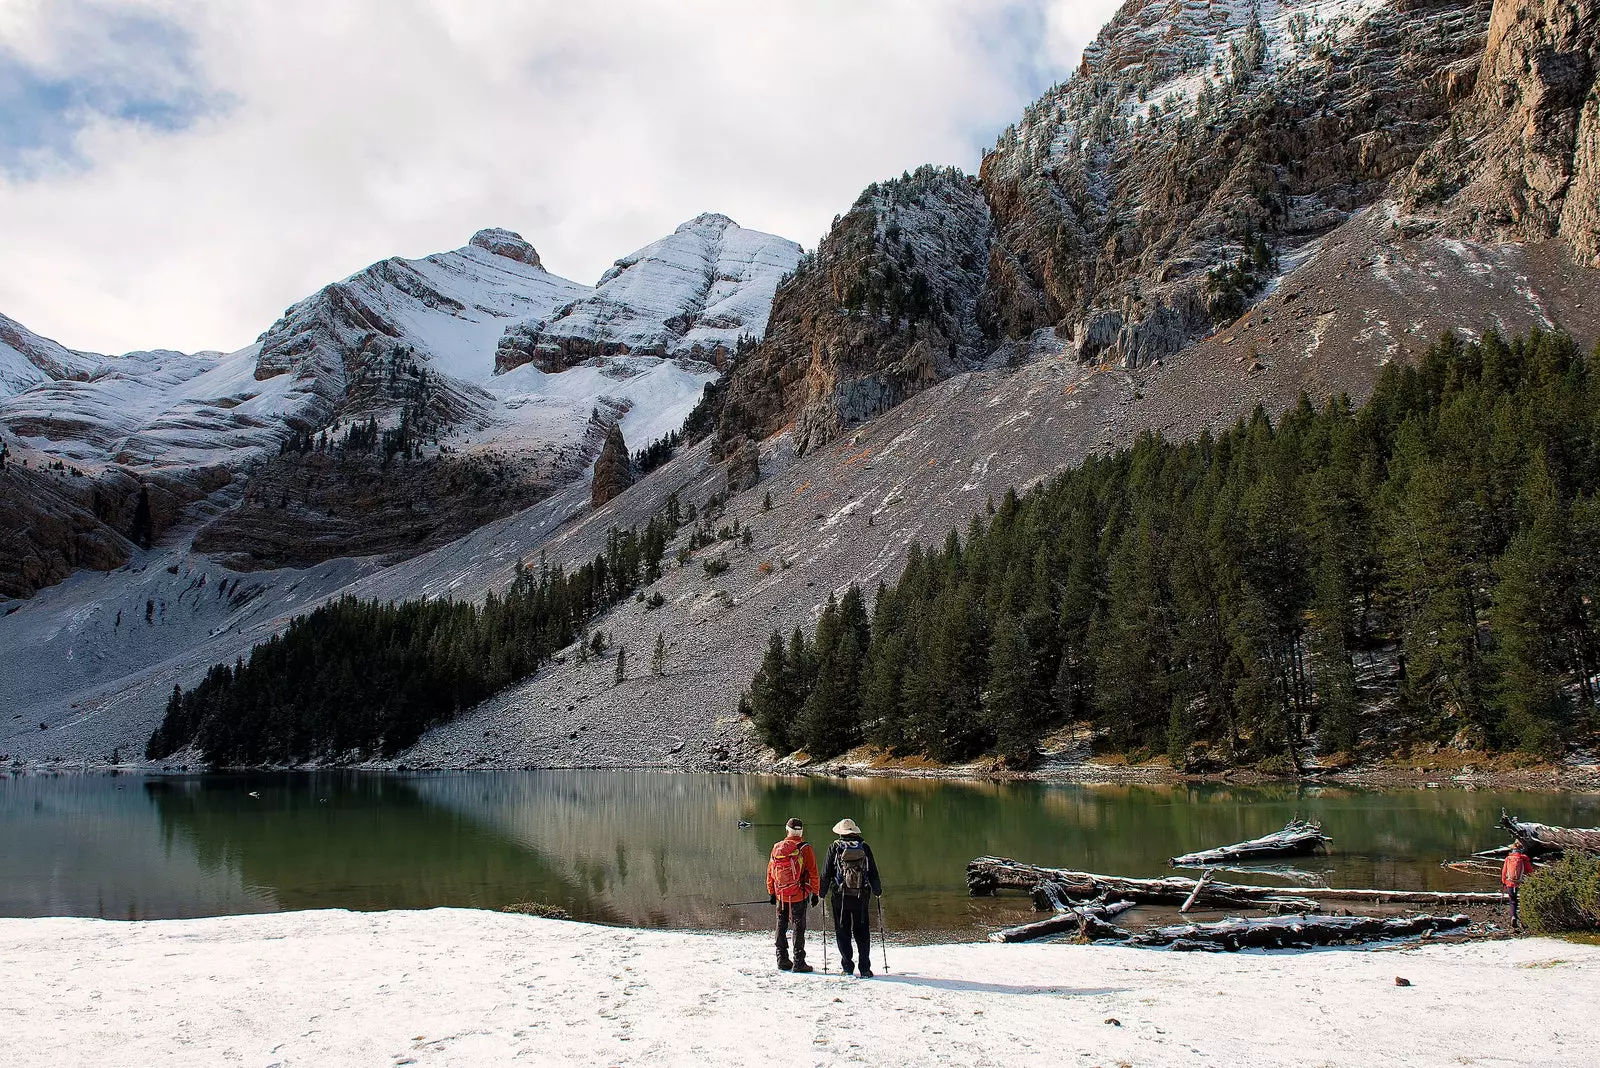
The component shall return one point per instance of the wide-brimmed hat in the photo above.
(846, 826)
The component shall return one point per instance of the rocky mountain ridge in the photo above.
(253, 450)
(1203, 150)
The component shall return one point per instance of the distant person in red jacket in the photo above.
(792, 884)
(1517, 866)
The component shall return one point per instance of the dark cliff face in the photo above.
(886, 306)
(612, 471)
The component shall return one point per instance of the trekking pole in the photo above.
(883, 945)
(737, 904)
(826, 952)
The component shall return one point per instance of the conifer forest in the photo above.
(1423, 569)
(364, 677)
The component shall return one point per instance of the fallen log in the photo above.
(1286, 932)
(1299, 838)
(1542, 838)
(1052, 888)
(1072, 920)
(985, 875)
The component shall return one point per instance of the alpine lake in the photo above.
(674, 850)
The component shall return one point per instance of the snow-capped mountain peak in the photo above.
(693, 293)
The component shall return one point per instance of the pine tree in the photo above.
(772, 704)
(1532, 620)
(1010, 702)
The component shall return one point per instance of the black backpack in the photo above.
(851, 874)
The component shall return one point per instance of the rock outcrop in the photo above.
(506, 243)
(1154, 194)
(744, 466)
(1522, 160)
(26, 359)
(1201, 150)
(613, 471)
(886, 306)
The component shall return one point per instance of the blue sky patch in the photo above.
(103, 64)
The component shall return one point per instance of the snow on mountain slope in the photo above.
(156, 410)
(448, 309)
(26, 359)
(693, 293)
(652, 395)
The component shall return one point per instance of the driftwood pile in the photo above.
(1085, 902)
(1299, 838)
(986, 875)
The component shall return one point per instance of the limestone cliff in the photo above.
(1523, 156)
(885, 307)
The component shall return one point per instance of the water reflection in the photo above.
(660, 849)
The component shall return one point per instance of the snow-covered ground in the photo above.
(460, 987)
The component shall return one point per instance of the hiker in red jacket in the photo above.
(1517, 866)
(792, 884)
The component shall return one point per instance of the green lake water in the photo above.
(666, 850)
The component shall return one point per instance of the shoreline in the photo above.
(1541, 779)
(466, 987)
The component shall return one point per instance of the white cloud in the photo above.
(344, 131)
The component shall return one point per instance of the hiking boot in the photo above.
(785, 964)
(847, 967)
(866, 972)
(800, 965)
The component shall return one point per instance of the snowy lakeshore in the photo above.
(464, 987)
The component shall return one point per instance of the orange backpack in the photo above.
(787, 869)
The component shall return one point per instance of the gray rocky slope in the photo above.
(1220, 210)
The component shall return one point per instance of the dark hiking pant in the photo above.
(792, 913)
(1511, 897)
(850, 922)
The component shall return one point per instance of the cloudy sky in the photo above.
(174, 172)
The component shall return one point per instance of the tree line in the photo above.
(1423, 570)
(363, 677)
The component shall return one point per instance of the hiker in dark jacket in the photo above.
(848, 875)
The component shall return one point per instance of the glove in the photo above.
(877, 893)
(813, 900)
(772, 899)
